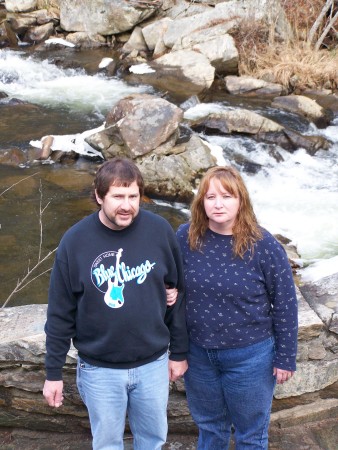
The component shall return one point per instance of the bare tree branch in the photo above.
(326, 30)
(20, 283)
(23, 179)
(35, 278)
(329, 4)
(40, 220)
(25, 281)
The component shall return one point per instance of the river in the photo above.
(296, 197)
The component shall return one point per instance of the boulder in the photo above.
(292, 141)
(268, 10)
(86, 40)
(13, 157)
(174, 176)
(39, 33)
(135, 42)
(214, 42)
(154, 32)
(141, 123)
(250, 86)
(20, 5)
(19, 23)
(306, 107)
(103, 17)
(322, 296)
(236, 121)
(184, 72)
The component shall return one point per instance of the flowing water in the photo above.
(297, 197)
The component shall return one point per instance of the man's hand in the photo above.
(171, 296)
(52, 391)
(282, 375)
(177, 369)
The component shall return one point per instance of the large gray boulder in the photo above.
(267, 10)
(176, 175)
(138, 125)
(248, 86)
(100, 16)
(322, 296)
(185, 72)
(195, 68)
(147, 129)
(216, 44)
(236, 121)
(20, 5)
(306, 107)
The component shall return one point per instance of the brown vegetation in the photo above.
(308, 60)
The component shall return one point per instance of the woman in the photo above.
(241, 314)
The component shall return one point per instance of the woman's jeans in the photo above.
(231, 388)
(111, 393)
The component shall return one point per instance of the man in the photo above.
(108, 294)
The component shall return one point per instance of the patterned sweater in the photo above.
(233, 302)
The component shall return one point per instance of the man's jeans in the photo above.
(232, 387)
(110, 393)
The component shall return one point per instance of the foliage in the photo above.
(309, 59)
(298, 67)
(302, 14)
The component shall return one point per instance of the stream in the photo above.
(296, 197)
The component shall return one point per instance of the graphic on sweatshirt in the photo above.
(114, 295)
(109, 276)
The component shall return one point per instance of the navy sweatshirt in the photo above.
(107, 294)
(233, 302)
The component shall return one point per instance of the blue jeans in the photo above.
(111, 393)
(231, 388)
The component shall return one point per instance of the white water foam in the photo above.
(44, 83)
(297, 197)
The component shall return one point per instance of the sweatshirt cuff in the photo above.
(178, 356)
(53, 374)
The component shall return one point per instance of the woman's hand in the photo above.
(171, 296)
(282, 375)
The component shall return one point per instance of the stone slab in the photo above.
(309, 324)
(21, 321)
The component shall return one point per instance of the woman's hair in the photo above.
(116, 172)
(246, 230)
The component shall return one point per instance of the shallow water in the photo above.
(63, 194)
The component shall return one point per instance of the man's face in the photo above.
(120, 206)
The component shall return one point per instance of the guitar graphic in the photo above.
(114, 296)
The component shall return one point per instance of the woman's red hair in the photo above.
(246, 230)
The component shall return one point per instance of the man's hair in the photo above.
(246, 230)
(116, 172)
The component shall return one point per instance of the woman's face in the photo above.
(221, 207)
